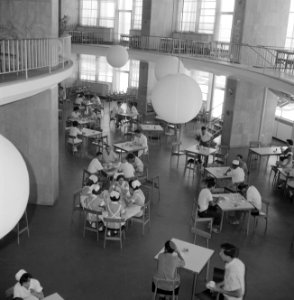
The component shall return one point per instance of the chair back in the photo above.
(266, 205)
(86, 175)
(109, 224)
(162, 282)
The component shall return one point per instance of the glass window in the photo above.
(286, 112)
(137, 14)
(187, 15)
(87, 67)
(225, 28)
(134, 73)
(104, 70)
(218, 96)
(227, 6)
(125, 5)
(89, 12)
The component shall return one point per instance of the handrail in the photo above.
(26, 55)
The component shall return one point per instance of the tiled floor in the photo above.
(78, 268)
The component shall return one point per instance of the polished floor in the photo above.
(80, 268)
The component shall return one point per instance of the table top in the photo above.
(204, 151)
(195, 257)
(90, 132)
(54, 296)
(111, 168)
(129, 115)
(129, 146)
(232, 202)
(218, 172)
(81, 121)
(267, 151)
(151, 127)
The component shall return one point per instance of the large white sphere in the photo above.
(117, 56)
(168, 65)
(177, 98)
(14, 186)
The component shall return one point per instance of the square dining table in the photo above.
(54, 296)
(196, 257)
(233, 202)
(128, 147)
(219, 174)
(202, 151)
(151, 127)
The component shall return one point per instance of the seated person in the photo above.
(79, 100)
(167, 268)
(134, 111)
(204, 137)
(115, 210)
(206, 205)
(95, 165)
(76, 114)
(237, 173)
(141, 139)
(286, 158)
(74, 131)
(109, 156)
(96, 100)
(253, 196)
(27, 287)
(122, 186)
(127, 169)
(242, 164)
(136, 162)
(137, 195)
(114, 111)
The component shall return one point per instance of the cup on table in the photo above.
(210, 284)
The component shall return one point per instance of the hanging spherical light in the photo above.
(14, 186)
(168, 65)
(177, 99)
(117, 56)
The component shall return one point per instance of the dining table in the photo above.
(233, 202)
(202, 151)
(195, 257)
(128, 147)
(54, 296)
(219, 173)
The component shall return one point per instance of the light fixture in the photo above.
(168, 65)
(117, 56)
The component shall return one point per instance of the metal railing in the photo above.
(261, 57)
(24, 56)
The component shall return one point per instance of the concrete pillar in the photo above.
(142, 90)
(32, 125)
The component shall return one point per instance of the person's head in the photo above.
(210, 183)
(239, 157)
(168, 247)
(120, 179)
(289, 142)
(130, 157)
(243, 187)
(135, 184)
(75, 124)
(114, 196)
(76, 109)
(138, 132)
(134, 104)
(99, 155)
(235, 164)
(203, 129)
(108, 148)
(25, 280)
(228, 252)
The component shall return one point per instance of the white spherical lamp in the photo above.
(14, 186)
(117, 56)
(177, 99)
(168, 65)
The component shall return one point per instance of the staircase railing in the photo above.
(24, 56)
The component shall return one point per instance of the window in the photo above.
(290, 29)
(218, 96)
(89, 12)
(134, 73)
(104, 70)
(137, 14)
(87, 67)
(226, 20)
(207, 16)
(107, 13)
(187, 15)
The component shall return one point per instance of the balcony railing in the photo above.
(263, 58)
(29, 55)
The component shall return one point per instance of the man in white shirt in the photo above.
(109, 156)
(136, 162)
(127, 169)
(237, 173)
(141, 139)
(253, 196)
(233, 286)
(95, 164)
(206, 205)
(27, 287)
(204, 137)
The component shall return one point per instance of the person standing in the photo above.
(233, 285)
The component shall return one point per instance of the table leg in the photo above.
(249, 159)
(222, 220)
(248, 222)
(194, 286)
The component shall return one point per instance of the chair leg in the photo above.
(265, 229)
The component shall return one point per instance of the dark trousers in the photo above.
(211, 212)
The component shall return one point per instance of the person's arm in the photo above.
(228, 171)
(39, 295)
(236, 293)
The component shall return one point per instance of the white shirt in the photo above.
(253, 196)
(237, 174)
(74, 131)
(234, 278)
(95, 166)
(75, 114)
(109, 157)
(139, 166)
(206, 137)
(142, 141)
(127, 169)
(204, 198)
(21, 292)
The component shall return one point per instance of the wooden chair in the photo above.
(74, 143)
(76, 203)
(221, 156)
(86, 175)
(153, 184)
(159, 292)
(263, 214)
(22, 226)
(145, 218)
(93, 225)
(109, 222)
(191, 162)
(176, 151)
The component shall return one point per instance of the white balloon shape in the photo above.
(117, 56)
(177, 99)
(168, 65)
(14, 186)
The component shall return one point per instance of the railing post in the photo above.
(63, 52)
(26, 58)
(49, 55)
